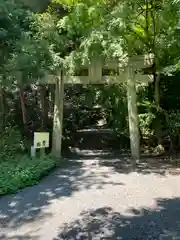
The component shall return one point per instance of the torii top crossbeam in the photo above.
(95, 69)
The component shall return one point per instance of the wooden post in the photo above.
(33, 152)
(133, 115)
(58, 116)
(42, 152)
(95, 71)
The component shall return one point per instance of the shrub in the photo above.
(174, 123)
(145, 122)
(20, 173)
(10, 143)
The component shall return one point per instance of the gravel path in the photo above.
(88, 201)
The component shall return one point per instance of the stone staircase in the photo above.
(96, 142)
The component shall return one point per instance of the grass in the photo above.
(23, 172)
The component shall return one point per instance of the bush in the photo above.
(10, 143)
(174, 123)
(145, 122)
(20, 173)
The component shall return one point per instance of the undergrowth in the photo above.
(23, 172)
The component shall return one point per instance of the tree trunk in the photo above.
(44, 106)
(23, 107)
(158, 128)
(156, 90)
(58, 117)
(133, 116)
(51, 99)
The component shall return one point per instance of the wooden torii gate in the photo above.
(128, 73)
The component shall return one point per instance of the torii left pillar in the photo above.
(58, 116)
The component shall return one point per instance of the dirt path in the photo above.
(88, 201)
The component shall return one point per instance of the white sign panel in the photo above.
(41, 140)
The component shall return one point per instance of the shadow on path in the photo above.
(162, 223)
(28, 205)
(18, 237)
(122, 164)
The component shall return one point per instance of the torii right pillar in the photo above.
(134, 63)
(133, 115)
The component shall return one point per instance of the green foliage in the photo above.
(174, 123)
(147, 113)
(113, 101)
(22, 172)
(169, 92)
(134, 27)
(10, 143)
(145, 123)
(14, 23)
(27, 44)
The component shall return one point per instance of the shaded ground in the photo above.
(94, 200)
(95, 138)
(145, 224)
(121, 162)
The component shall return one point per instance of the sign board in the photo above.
(41, 140)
